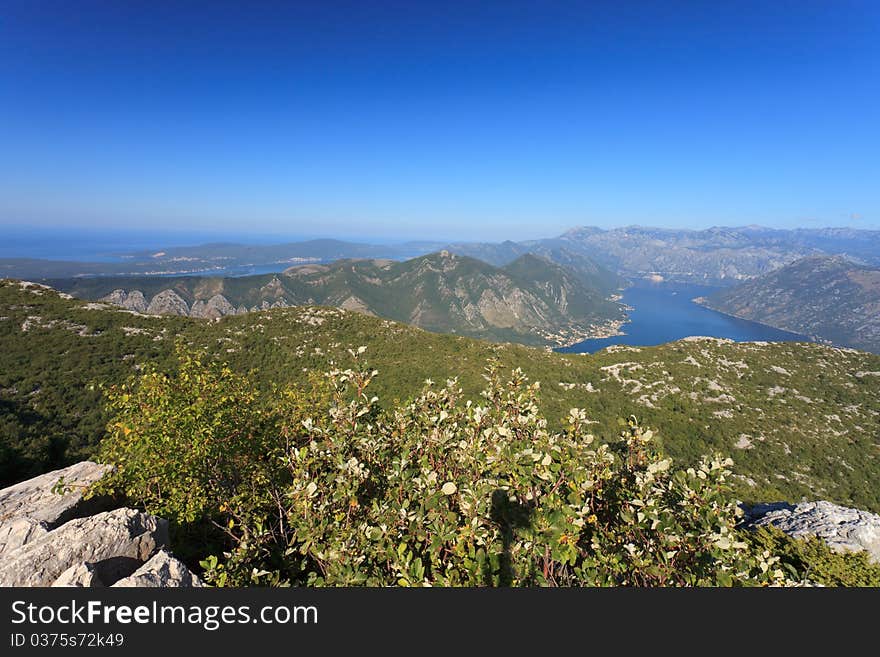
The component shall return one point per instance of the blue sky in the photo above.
(472, 120)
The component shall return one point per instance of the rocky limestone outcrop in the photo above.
(116, 297)
(30, 509)
(81, 575)
(18, 531)
(168, 302)
(162, 570)
(216, 306)
(134, 300)
(114, 541)
(52, 535)
(842, 528)
(265, 305)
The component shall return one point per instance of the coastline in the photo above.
(609, 329)
(703, 301)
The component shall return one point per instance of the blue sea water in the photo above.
(106, 245)
(120, 245)
(663, 312)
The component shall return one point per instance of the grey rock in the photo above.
(116, 541)
(216, 306)
(133, 300)
(17, 531)
(162, 570)
(136, 302)
(199, 309)
(116, 297)
(79, 575)
(168, 302)
(842, 528)
(30, 508)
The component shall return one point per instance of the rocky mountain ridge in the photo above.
(714, 256)
(828, 297)
(717, 255)
(532, 300)
(169, 302)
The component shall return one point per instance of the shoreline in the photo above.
(808, 338)
(701, 301)
(609, 330)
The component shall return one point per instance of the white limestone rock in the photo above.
(118, 541)
(17, 531)
(81, 575)
(31, 508)
(134, 300)
(216, 306)
(842, 528)
(162, 570)
(168, 302)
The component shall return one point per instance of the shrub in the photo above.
(319, 486)
(812, 560)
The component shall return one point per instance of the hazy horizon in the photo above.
(74, 242)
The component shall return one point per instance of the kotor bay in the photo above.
(663, 312)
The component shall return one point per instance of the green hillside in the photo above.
(831, 298)
(532, 300)
(799, 420)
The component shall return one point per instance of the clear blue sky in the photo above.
(471, 120)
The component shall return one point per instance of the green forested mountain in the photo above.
(579, 260)
(831, 298)
(799, 420)
(531, 300)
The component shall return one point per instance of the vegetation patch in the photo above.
(320, 486)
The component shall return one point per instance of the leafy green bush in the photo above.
(814, 561)
(319, 486)
(182, 443)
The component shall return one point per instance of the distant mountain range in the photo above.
(715, 256)
(531, 300)
(828, 297)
